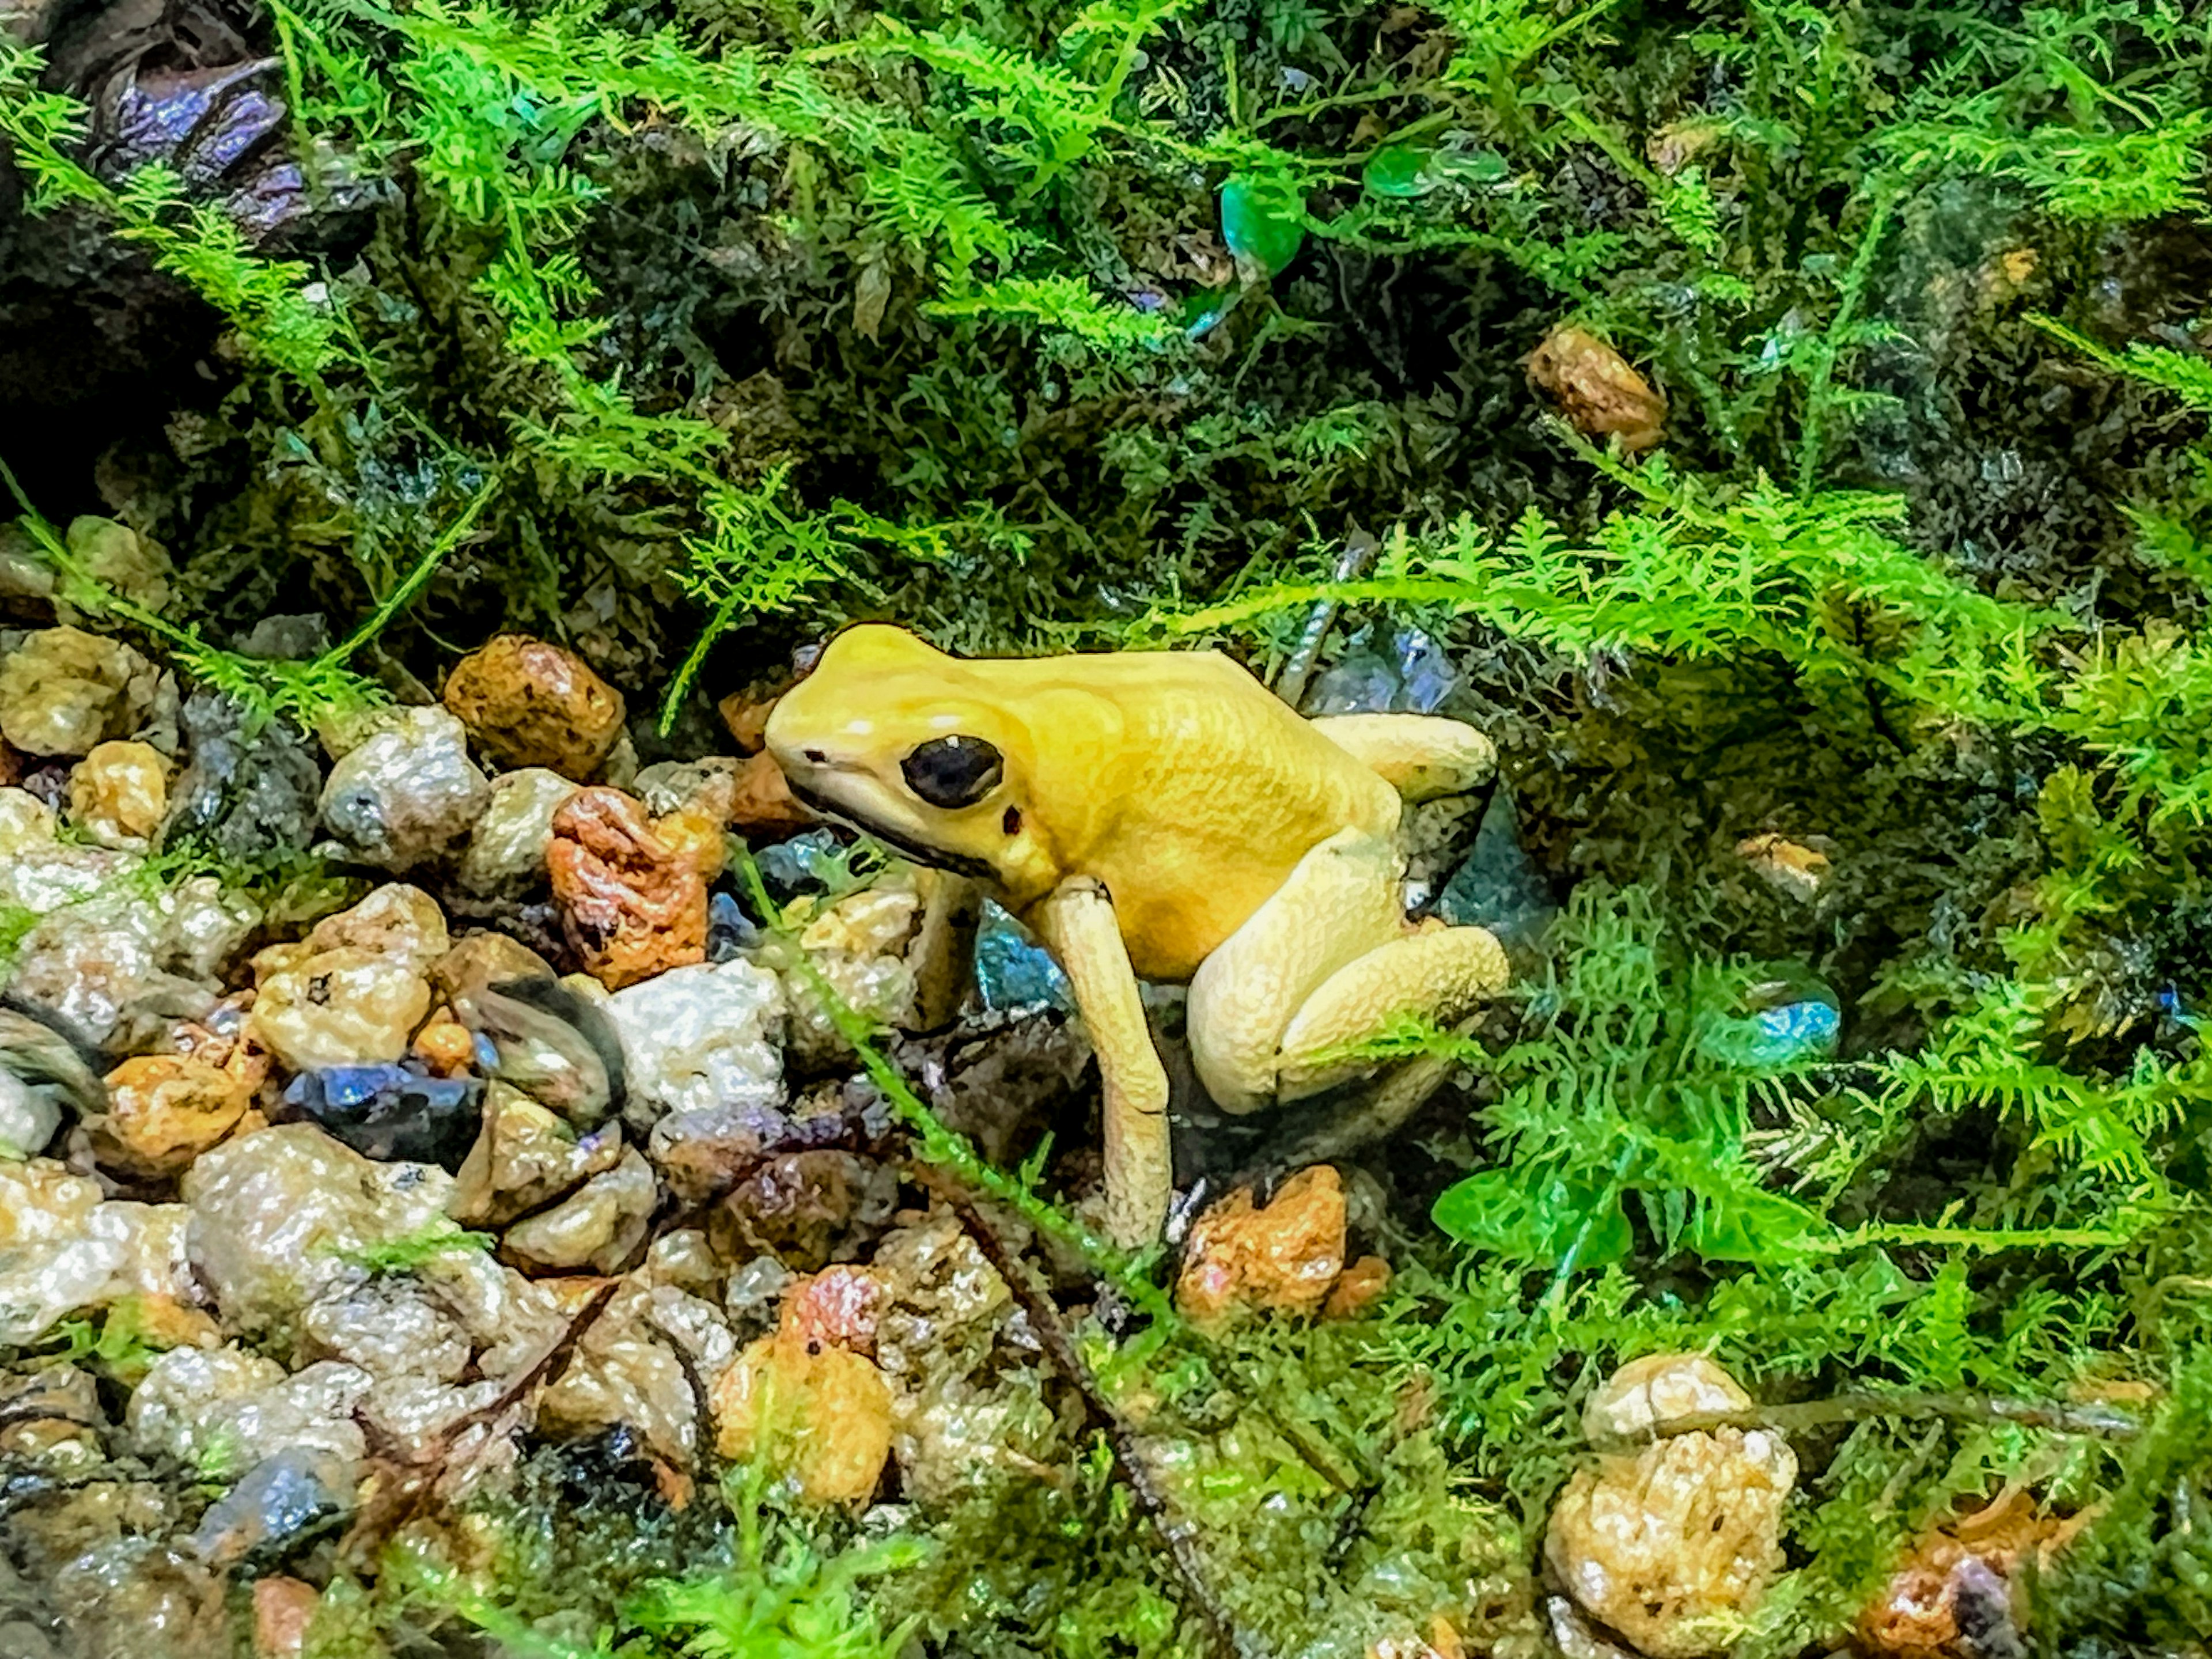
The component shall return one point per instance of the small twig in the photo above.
(1181, 1538)
(2104, 1422)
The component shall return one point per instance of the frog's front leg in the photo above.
(1077, 924)
(1328, 962)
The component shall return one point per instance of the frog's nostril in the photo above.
(1012, 823)
(817, 756)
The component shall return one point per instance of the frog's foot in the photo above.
(1324, 965)
(1438, 978)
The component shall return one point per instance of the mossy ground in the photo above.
(1035, 326)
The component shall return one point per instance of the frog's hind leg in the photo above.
(1422, 757)
(1338, 904)
(1439, 975)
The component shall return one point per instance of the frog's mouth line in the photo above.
(959, 863)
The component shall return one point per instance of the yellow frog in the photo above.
(1163, 815)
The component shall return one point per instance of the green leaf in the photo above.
(1542, 1221)
(1263, 221)
(1398, 170)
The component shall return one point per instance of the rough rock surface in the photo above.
(407, 794)
(701, 1037)
(119, 793)
(164, 1111)
(529, 703)
(65, 690)
(506, 851)
(632, 905)
(1284, 1257)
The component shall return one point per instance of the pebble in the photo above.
(805, 1208)
(125, 950)
(341, 1007)
(551, 1041)
(247, 791)
(1960, 1593)
(1673, 1545)
(701, 1037)
(763, 806)
(858, 946)
(118, 795)
(525, 1156)
(631, 905)
(1012, 969)
(223, 1410)
(630, 1369)
(529, 703)
(279, 1500)
(969, 1403)
(119, 559)
(819, 1415)
(506, 851)
(392, 1112)
(407, 792)
(30, 1117)
(283, 1612)
(63, 1251)
(1597, 388)
(1500, 886)
(1284, 1257)
(598, 1227)
(277, 1216)
(396, 921)
(63, 691)
(163, 1111)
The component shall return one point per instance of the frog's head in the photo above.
(895, 738)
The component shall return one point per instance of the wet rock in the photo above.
(634, 1368)
(701, 1037)
(805, 864)
(598, 1227)
(858, 946)
(392, 1112)
(1000, 1079)
(445, 1047)
(340, 1008)
(1364, 1283)
(506, 852)
(805, 1208)
(280, 1217)
(763, 806)
(528, 703)
(1962, 1591)
(396, 921)
(1597, 389)
(118, 794)
(1798, 870)
(120, 560)
(407, 794)
(283, 1612)
(1407, 673)
(1674, 1546)
(51, 1417)
(30, 1116)
(839, 1306)
(1284, 1257)
(1500, 886)
(525, 1158)
(969, 1404)
(819, 1413)
(137, 1596)
(163, 1111)
(123, 950)
(1793, 1023)
(279, 1502)
(730, 930)
(632, 905)
(63, 1251)
(63, 691)
(222, 1411)
(1012, 969)
(245, 790)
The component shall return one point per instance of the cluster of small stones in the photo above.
(333, 1188)
(344, 1186)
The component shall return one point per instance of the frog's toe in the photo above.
(1439, 976)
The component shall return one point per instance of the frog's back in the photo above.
(1201, 800)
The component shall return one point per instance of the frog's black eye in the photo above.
(954, 771)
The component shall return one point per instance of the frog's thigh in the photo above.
(1422, 757)
(1440, 976)
(1341, 902)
